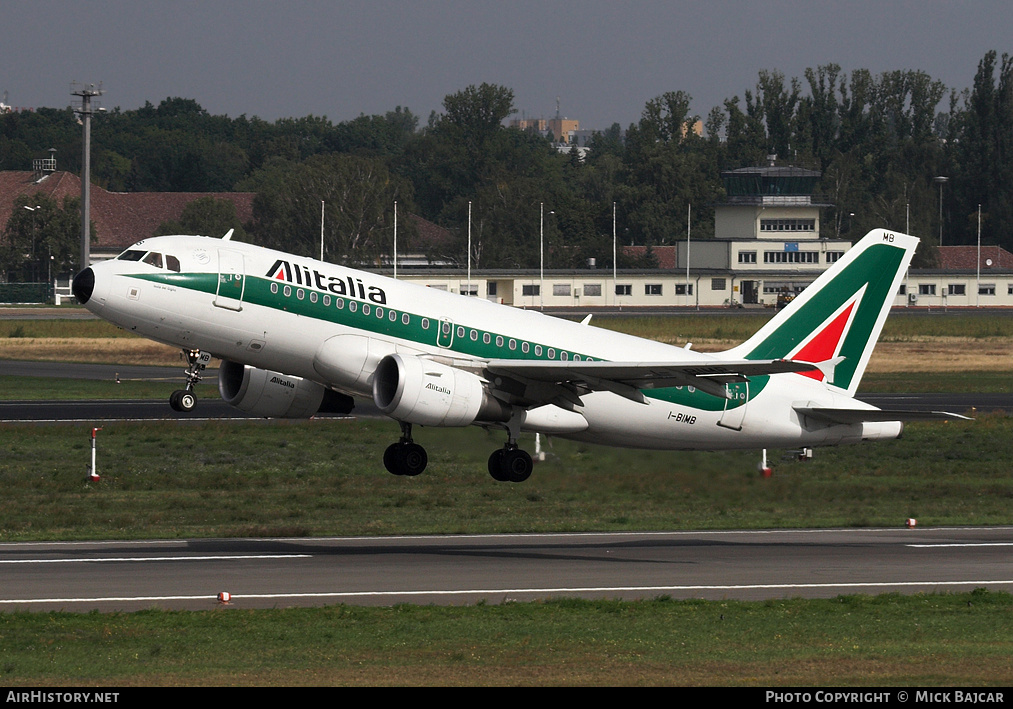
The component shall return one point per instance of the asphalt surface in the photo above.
(451, 570)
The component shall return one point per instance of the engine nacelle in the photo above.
(428, 393)
(274, 395)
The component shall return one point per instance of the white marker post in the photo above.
(93, 475)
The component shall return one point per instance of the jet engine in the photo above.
(275, 395)
(416, 390)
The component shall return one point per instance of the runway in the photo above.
(451, 570)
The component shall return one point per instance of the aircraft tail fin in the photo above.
(839, 317)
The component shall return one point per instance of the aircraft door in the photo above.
(735, 408)
(231, 280)
(445, 337)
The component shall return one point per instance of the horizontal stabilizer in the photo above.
(850, 416)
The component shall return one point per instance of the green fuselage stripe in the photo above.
(420, 329)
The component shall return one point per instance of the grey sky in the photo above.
(603, 59)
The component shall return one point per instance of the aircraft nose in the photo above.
(83, 285)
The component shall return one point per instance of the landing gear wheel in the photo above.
(496, 466)
(413, 459)
(391, 457)
(517, 465)
(405, 457)
(182, 400)
(510, 465)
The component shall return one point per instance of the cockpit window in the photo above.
(154, 259)
(131, 255)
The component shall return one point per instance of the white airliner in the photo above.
(297, 336)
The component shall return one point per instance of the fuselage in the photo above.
(331, 324)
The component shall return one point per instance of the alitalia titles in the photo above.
(350, 287)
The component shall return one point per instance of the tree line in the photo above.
(880, 141)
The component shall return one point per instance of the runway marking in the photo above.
(223, 557)
(505, 591)
(962, 544)
(451, 538)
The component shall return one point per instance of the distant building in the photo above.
(120, 218)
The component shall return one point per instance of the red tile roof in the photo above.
(965, 258)
(664, 254)
(120, 218)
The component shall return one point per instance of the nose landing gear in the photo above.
(184, 399)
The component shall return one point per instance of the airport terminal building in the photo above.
(768, 247)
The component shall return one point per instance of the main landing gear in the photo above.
(508, 464)
(511, 464)
(185, 399)
(406, 457)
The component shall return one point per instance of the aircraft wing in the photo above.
(849, 416)
(629, 378)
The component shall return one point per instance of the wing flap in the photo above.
(629, 378)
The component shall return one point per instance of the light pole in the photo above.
(615, 288)
(469, 247)
(86, 93)
(941, 180)
(541, 254)
(33, 210)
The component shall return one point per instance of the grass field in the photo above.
(958, 640)
(232, 478)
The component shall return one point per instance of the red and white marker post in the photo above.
(93, 475)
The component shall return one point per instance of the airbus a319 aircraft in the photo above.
(296, 336)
